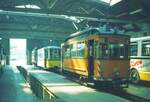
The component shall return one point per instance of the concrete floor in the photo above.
(13, 87)
(70, 91)
(139, 90)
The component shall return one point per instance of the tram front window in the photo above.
(55, 54)
(103, 50)
(118, 51)
(112, 50)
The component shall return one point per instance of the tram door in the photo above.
(90, 59)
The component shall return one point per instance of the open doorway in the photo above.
(18, 52)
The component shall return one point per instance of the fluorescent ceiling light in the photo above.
(148, 46)
(112, 1)
(136, 11)
(28, 6)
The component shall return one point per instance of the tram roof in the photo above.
(140, 38)
(100, 32)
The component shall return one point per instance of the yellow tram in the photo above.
(97, 57)
(47, 57)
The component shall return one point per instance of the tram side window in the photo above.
(67, 51)
(133, 49)
(94, 31)
(80, 49)
(103, 48)
(49, 53)
(96, 50)
(73, 49)
(46, 54)
(146, 49)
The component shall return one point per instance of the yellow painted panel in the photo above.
(145, 75)
(52, 63)
(76, 65)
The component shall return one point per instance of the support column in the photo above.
(6, 45)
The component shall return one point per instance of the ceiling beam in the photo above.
(63, 17)
(43, 3)
(32, 34)
(53, 4)
(48, 12)
(35, 27)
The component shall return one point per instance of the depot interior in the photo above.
(26, 25)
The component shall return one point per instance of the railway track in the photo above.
(123, 93)
(114, 91)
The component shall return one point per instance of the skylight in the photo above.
(112, 1)
(28, 6)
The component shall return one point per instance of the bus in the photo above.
(140, 59)
(98, 57)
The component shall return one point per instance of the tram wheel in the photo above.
(134, 76)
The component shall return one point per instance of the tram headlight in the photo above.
(109, 79)
(116, 73)
(124, 79)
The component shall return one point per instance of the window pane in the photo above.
(146, 49)
(80, 49)
(55, 54)
(46, 53)
(114, 50)
(49, 54)
(67, 52)
(73, 50)
(118, 50)
(96, 49)
(103, 50)
(123, 52)
(133, 49)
